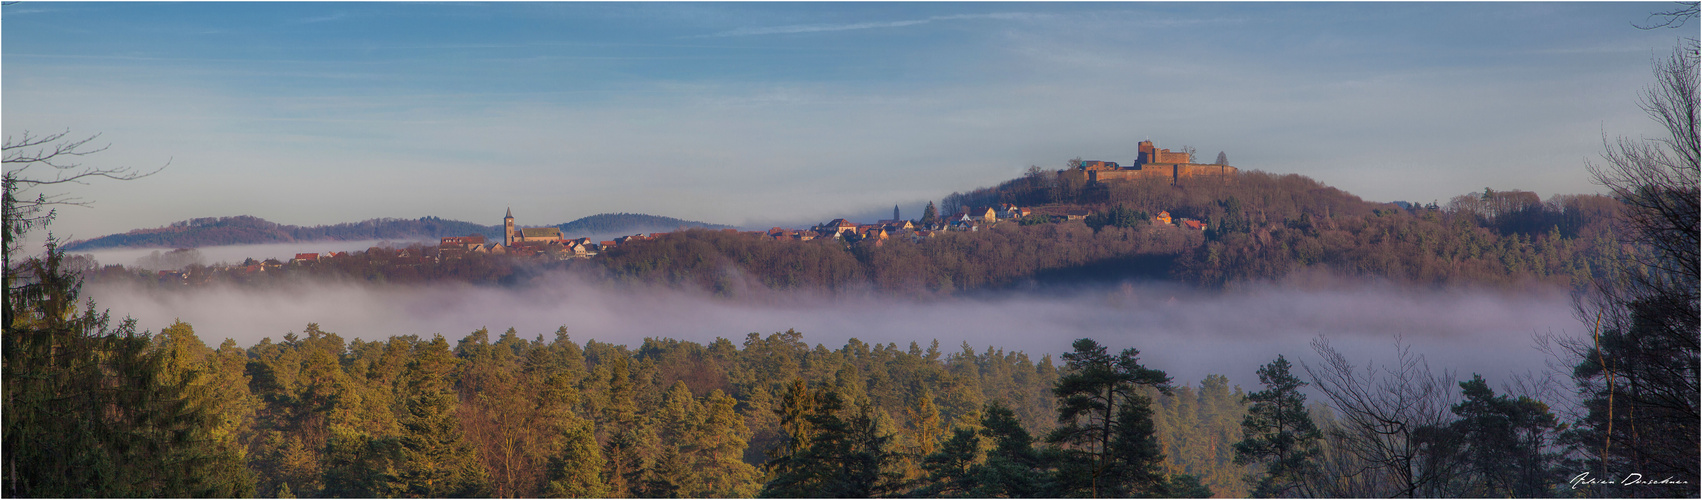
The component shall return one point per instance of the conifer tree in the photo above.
(718, 468)
(1280, 434)
(845, 458)
(90, 410)
(436, 461)
(215, 387)
(676, 429)
(561, 435)
(1013, 468)
(795, 408)
(1105, 425)
(951, 470)
(1506, 442)
(577, 471)
(631, 438)
(925, 417)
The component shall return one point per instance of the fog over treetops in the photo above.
(1187, 332)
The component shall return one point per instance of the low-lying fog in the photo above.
(161, 258)
(1186, 333)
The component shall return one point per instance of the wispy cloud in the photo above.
(817, 28)
(334, 16)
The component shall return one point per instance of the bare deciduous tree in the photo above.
(36, 162)
(1639, 368)
(1385, 415)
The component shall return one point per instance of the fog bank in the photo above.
(1185, 332)
(236, 254)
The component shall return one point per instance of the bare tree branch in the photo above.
(26, 207)
(1384, 413)
(60, 153)
(1671, 19)
(1640, 370)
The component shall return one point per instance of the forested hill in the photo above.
(247, 230)
(1258, 227)
(624, 223)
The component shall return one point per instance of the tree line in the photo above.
(97, 410)
(1259, 228)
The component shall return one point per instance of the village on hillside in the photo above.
(1152, 163)
(549, 242)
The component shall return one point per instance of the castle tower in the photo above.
(1147, 150)
(508, 228)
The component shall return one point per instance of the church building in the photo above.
(512, 235)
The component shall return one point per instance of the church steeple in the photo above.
(508, 228)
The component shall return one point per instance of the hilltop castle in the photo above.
(1153, 163)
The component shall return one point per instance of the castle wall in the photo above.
(1166, 156)
(1187, 170)
(1148, 172)
(1171, 171)
(1092, 165)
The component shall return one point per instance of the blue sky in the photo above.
(782, 113)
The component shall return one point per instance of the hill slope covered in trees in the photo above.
(248, 230)
(1260, 227)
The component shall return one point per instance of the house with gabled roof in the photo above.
(836, 228)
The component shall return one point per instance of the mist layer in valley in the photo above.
(155, 259)
(1185, 332)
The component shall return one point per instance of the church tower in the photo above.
(508, 229)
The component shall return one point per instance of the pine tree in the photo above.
(92, 410)
(950, 471)
(630, 444)
(577, 471)
(845, 458)
(717, 466)
(1105, 425)
(795, 408)
(676, 429)
(216, 389)
(1280, 434)
(1506, 441)
(436, 461)
(925, 417)
(565, 443)
(1013, 468)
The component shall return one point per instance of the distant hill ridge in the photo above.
(624, 223)
(248, 230)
